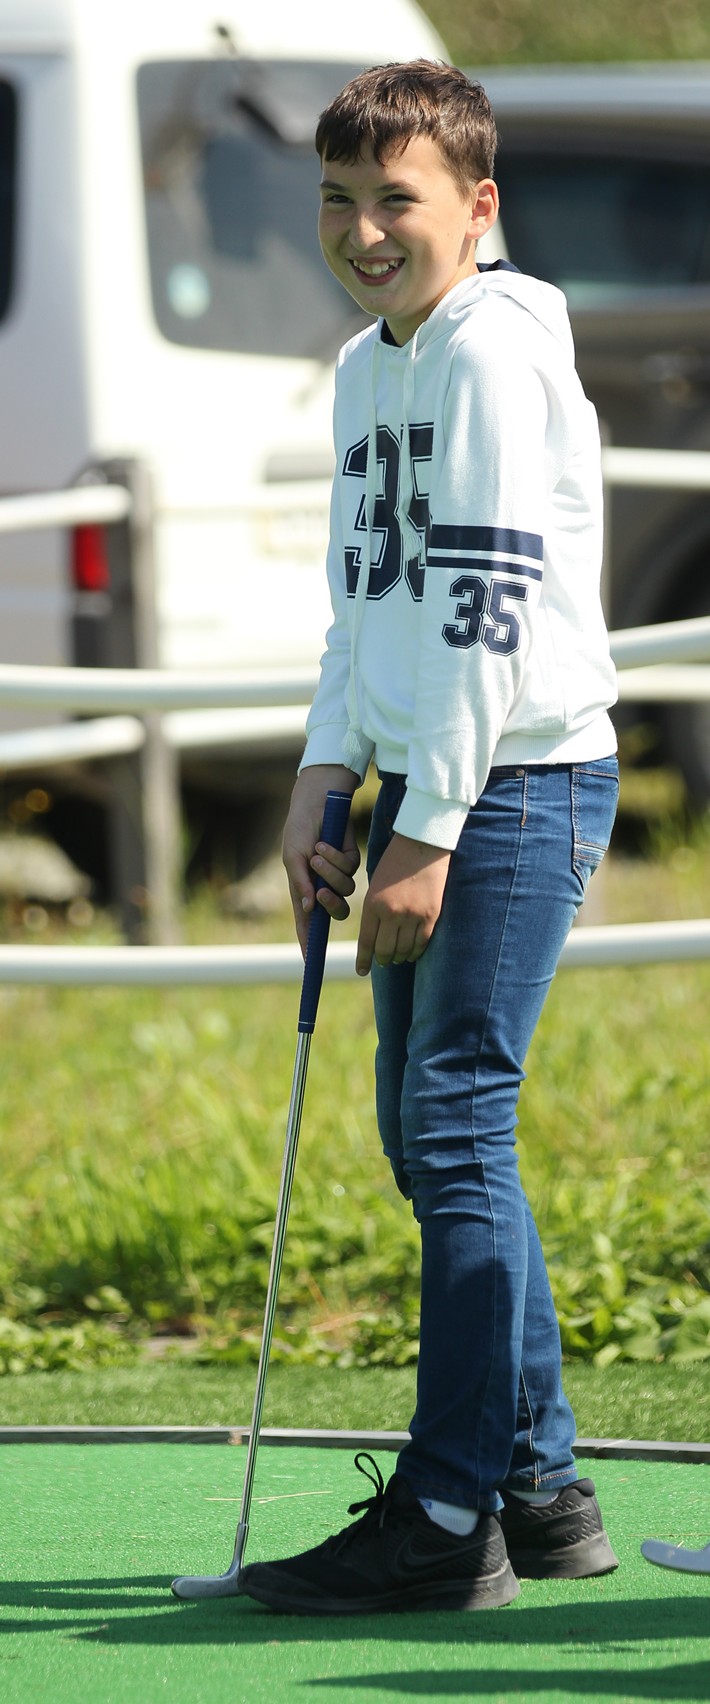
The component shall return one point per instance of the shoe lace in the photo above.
(369, 1507)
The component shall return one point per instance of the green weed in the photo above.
(141, 1135)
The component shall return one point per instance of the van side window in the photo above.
(8, 191)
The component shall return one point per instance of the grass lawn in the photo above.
(141, 1138)
(659, 1402)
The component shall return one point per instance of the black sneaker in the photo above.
(563, 1540)
(394, 1558)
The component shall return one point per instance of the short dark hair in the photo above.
(385, 107)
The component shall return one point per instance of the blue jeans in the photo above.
(453, 1031)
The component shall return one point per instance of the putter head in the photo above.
(192, 1586)
(676, 1556)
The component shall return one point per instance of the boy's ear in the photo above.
(484, 207)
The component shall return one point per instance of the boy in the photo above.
(468, 657)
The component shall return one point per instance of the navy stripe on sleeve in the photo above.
(483, 564)
(505, 539)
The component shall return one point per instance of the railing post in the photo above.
(143, 805)
(160, 784)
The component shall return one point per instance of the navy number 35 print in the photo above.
(387, 567)
(485, 608)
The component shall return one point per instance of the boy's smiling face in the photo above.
(400, 235)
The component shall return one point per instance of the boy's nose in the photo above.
(365, 229)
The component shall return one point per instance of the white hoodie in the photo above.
(478, 638)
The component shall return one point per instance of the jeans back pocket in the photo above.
(595, 795)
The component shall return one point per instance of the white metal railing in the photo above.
(71, 742)
(78, 506)
(687, 684)
(635, 648)
(646, 658)
(161, 967)
(666, 641)
(264, 695)
(670, 661)
(667, 662)
(155, 689)
(672, 470)
(686, 642)
(684, 470)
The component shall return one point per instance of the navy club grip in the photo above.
(335, 821)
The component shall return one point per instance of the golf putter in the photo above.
(676, 1556)
(335, 817)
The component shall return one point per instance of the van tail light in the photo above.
(89, 559)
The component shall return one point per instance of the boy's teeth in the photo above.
(375, 268)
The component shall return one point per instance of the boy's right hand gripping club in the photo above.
(335, 822)
(335, 818)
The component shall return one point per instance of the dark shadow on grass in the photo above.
(62, 1598)
(683, 1680)
(137, 1611)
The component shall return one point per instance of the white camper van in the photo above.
(163, 301)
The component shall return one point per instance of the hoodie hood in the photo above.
(543, 301)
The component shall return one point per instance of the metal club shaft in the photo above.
(227, 1585)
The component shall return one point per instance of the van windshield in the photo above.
(231, 200)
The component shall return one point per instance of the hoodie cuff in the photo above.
(325, 745)
(438, 822)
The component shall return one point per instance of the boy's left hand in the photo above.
(403, 903)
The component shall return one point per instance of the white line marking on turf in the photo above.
(280, 1497)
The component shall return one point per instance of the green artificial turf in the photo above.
(626, 1401)
(91, 1538)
